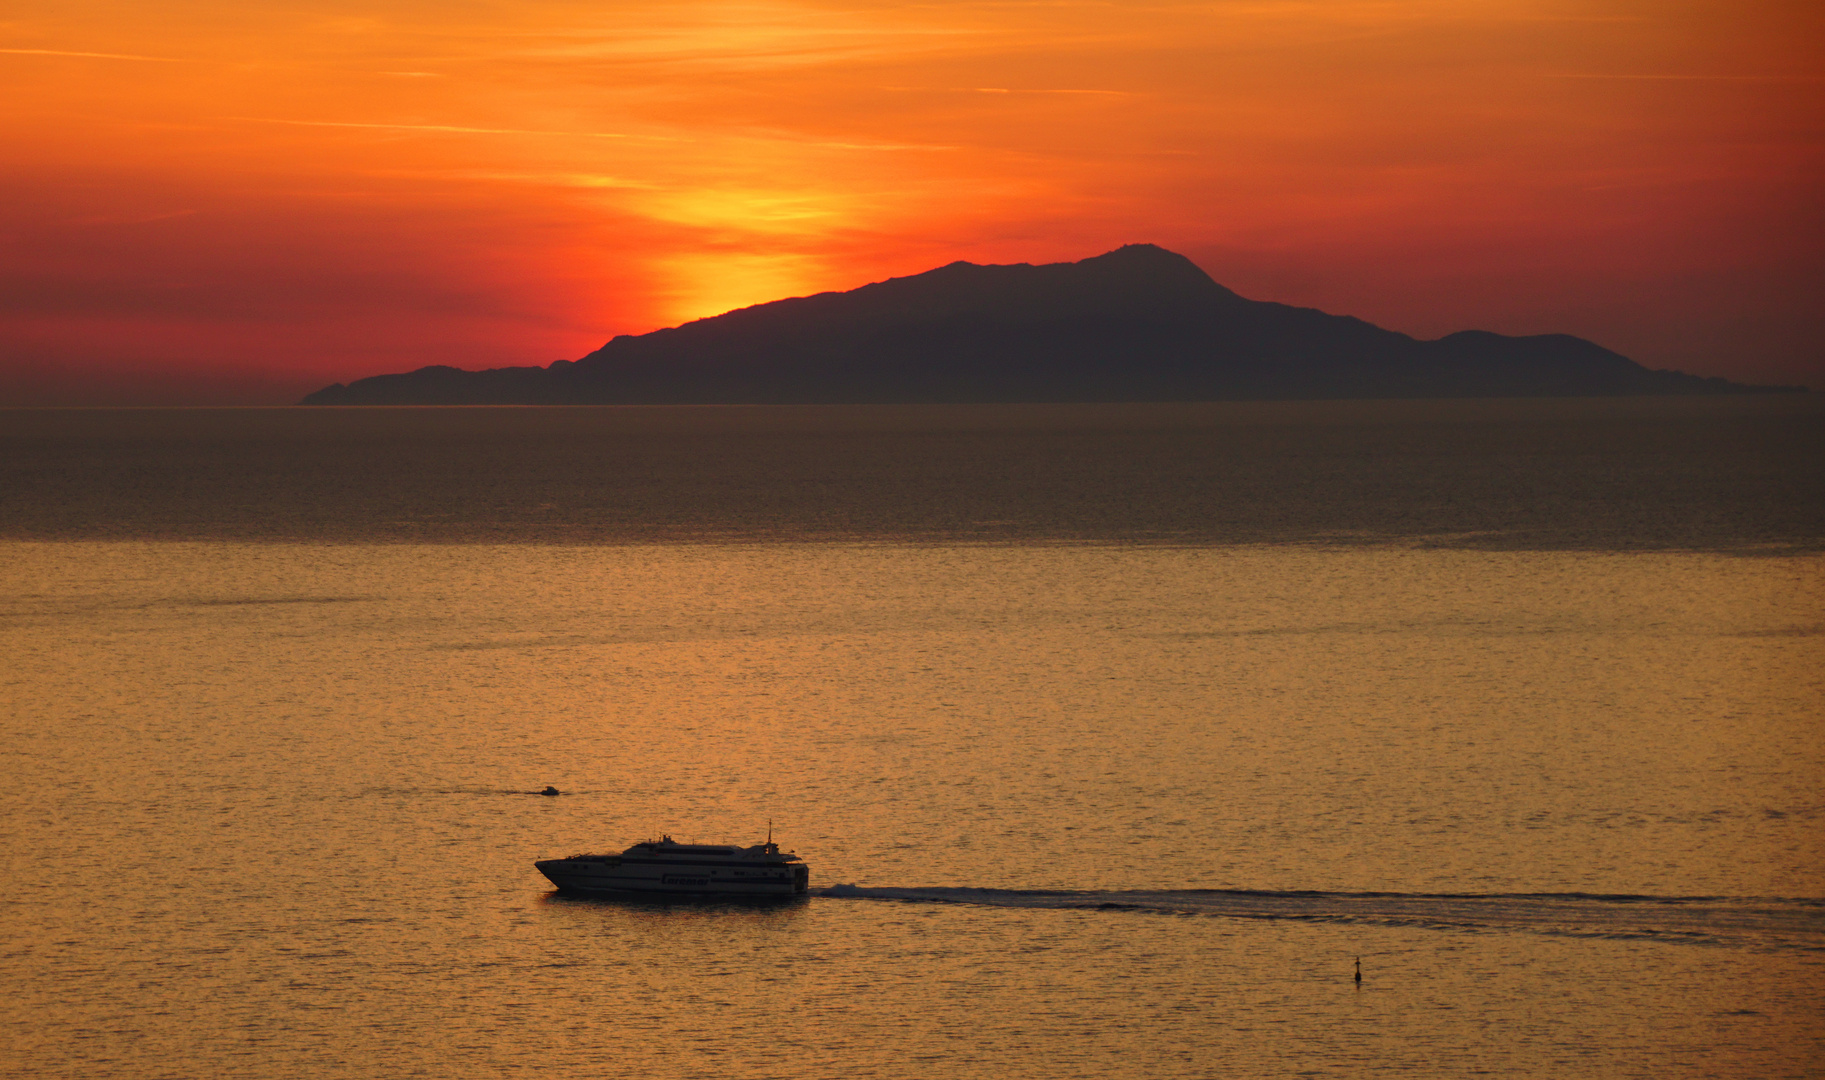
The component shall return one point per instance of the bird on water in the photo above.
(1359, 971)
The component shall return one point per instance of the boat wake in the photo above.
(1763, 924)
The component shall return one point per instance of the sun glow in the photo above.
(698, 285)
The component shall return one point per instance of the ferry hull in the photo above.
(614, 878)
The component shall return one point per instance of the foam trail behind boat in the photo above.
(1771, 924)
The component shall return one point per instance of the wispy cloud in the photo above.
(881, 146)
(553, 179)
(131, 219)
(1683, 78)
(449, 129)
(96, 55)
(758, 35)
(456, 129)
(1020, 90)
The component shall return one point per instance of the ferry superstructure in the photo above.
(665, 868)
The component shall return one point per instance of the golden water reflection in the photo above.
(268, 806)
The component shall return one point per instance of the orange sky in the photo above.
(212, 202)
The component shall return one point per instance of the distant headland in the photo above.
(1137, 324)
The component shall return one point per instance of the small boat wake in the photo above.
(1761, 924)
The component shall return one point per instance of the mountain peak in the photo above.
(1139, 253)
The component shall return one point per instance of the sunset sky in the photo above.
(236, 203)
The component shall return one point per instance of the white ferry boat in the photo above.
(666, 868)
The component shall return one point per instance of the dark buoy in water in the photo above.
(1359, 971)
(555, 791)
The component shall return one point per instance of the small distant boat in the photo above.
(664, 868)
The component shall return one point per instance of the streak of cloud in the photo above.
(1684, 78)
(453, 129)
(96, 55)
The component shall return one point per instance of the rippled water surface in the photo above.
(1072, 808)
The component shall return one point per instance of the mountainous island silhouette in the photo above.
(1137, 324)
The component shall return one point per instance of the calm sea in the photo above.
(1113, 737)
